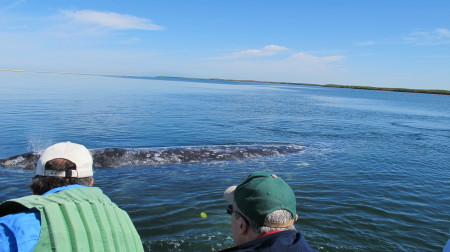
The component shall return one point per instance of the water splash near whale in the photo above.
(118, 157)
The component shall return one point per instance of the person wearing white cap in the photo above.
(263, 210)
(65, 212)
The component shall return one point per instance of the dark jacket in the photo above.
(278, 242)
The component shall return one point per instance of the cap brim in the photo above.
(228, 195)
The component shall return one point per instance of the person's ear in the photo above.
(243, 226)
(92, 182)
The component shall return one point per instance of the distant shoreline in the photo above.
(407, 90)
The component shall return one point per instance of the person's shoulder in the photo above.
(16, 205)
(290, 240)
(21, 217)
(20, 229)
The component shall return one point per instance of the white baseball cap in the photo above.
(75, 153)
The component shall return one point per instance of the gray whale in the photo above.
(117, 157)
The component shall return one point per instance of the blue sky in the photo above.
(385, 43)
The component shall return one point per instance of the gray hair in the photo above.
(276, 217)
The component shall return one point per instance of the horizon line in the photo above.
(257, 81)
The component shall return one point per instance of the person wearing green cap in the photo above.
(263, 210)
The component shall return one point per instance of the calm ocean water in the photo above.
(374, 177)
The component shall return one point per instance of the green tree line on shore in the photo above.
(425, 91)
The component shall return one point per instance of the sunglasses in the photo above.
(230, 211)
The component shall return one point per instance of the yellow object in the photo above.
(203, 215)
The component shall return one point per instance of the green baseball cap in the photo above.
(261, 194)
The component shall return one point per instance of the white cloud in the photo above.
(111, 20)
(274, 48)
(443, 32)
(315, 60)
(300, 58)
(269, 50)
(439, 36)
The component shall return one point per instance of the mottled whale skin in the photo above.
(117, 157)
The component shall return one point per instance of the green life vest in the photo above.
(79, 219)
